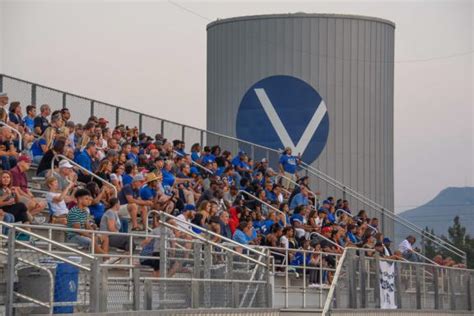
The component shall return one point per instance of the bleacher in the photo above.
(289, 255)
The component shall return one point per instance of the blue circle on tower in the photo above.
(284, 111)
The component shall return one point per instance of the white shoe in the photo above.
(314, 286)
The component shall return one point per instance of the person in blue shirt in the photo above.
(179, 147)
(168, 176)
(84, 159)
(133, 154)
(29, 119)
(243, 234)
(149, 191)
(130, 171)
(300, 198)
(196, 152)
(288, 165)
(242, 166)
(14, 114)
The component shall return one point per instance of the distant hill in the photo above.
(440, 211)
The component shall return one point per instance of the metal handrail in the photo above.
(379, 208)
(329, 298)
(216, 244)
(325, 238)
(20, 138)
(233, 242)
(56, 156)
(352, 216)
(297, 184)
(195, 163)
(20, 229)
(261, 201)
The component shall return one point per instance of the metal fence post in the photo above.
(1, 83)
(183, 131)
(418, 286)
(377, 282)
(436, 288)
(104, 289)
(117, 116)
(148, 295)
(140, 122)
(162, 132)
(270, 282)
(64, 100)
(468, 291)
(10, 277)
(352, 280)
(362, 280)
(92, 107)
(136, 289)
(196, 275)
(207, 274)
(202, 138)
(398, 285)
(163, 254)
(94, 294)
(33, 94)
(452, 292)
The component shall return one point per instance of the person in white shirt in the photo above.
(57, 200)
(186, 217)
(407, 250)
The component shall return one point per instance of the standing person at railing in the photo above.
(288, 165)
(41, 122)
(78, 218)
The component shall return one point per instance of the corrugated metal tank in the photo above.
(347, 59)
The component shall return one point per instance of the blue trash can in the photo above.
(66, 286)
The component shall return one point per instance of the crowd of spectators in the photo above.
(207, 188)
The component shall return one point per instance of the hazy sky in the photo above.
(434, 109)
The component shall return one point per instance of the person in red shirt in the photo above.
(20, 185)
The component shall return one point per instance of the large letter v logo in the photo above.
(281, 130)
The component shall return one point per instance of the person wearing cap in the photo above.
(186, 216)
(41, 122)
(152, 190)
(78, 218)
(131, 203)
(386, 246)
(288, 165)
(65, 174)
(20, 181)
(3, 99)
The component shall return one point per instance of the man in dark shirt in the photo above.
(131, 203)
(41, 122)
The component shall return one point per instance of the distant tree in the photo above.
(458, 237)
(430, 249)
